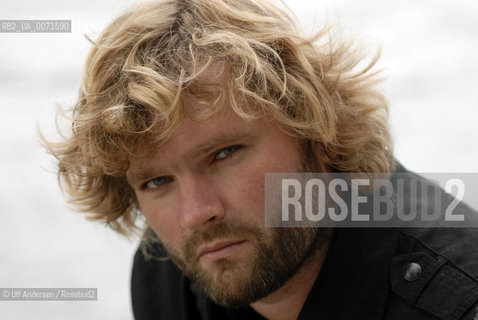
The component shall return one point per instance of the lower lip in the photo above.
(222, 253)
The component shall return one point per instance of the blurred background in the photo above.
(430, 58)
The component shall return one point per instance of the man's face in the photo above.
(202, 191)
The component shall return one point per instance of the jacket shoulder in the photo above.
(436, 271)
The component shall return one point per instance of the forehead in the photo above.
(207, 102)
(224, 123)
(207, 78)
(209, 117)
(193, 138)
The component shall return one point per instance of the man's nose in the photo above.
(200, 203)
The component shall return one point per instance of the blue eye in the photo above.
(156, 182)
(226, 152)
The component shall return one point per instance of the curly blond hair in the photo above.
(144, 63)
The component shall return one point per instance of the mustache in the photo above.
(232, 230)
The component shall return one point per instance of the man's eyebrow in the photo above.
(142, 175)
(217, 141)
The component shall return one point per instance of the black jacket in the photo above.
(379, 273)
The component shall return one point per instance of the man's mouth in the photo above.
(219, 250)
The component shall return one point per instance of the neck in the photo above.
(287, 302)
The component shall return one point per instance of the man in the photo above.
(185, 106)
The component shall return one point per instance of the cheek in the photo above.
(244, 192)
(250, 193)
(162, 219)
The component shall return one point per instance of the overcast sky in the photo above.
(430, 58)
